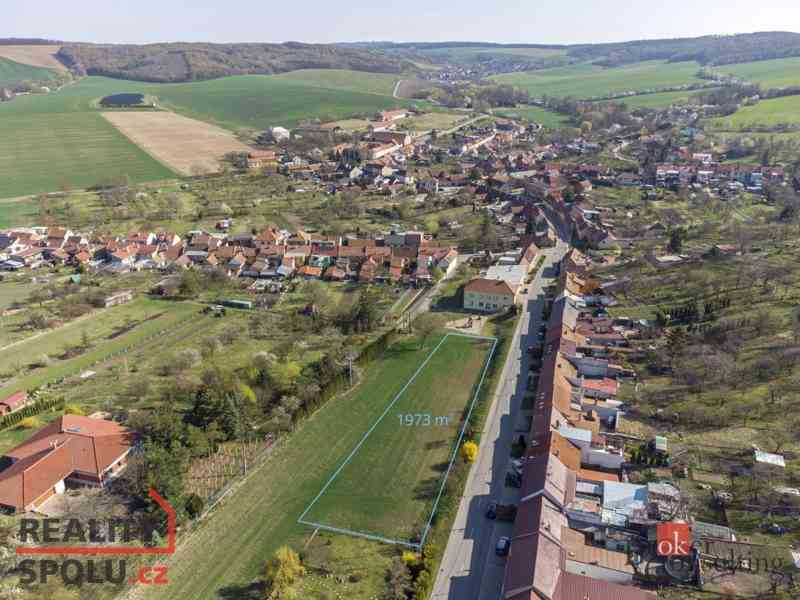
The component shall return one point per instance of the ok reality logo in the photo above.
(102, 536)
(673, 539)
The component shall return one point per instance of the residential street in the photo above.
(470, 570)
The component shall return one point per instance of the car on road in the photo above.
(491, 510)
(503, 546)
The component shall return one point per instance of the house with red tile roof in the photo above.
(71, 449)
(489, 295)
(13, 402)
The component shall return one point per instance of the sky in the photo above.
(325, 21)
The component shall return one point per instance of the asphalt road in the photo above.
(470, 570)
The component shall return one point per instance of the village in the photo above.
(590, 498)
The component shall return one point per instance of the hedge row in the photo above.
(29, 411)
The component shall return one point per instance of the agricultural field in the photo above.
(764, 115)
(37, 56)
(534, 114)
(57, 140)
(42, 153)
(387, 486)
(12, 71)
(64, 132)
(589, 81)
(432, 120)
(187, 146)
(257, 102)
(382, 84)
(660, 100)
(768, 74)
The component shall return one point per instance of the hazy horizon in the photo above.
(515, 22)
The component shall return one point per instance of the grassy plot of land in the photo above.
(108, 332)
(387, 487)
(660, 100)
(11, 71)
(534, 114)
(767, 113)
(586, 81)
(229, 549)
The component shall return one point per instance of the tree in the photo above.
(425, 325)
(469, 450)
(675, 241)
(281, 571)
(189, 285)
(398, 581)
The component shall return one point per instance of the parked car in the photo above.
(491, 510)
(503, 546)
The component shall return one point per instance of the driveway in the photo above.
(470, 570)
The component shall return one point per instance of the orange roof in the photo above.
(70, 443)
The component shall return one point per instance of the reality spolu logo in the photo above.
(66, 538)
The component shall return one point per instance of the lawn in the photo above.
(587, 81)
(782, 72)
(535, 114)
(12, 71)
(386, 488)
(109, 331)
(224, 554)
(765, 114)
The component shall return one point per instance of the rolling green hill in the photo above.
(782, 72)
(255, 101)
(11, 72)
(587, 81)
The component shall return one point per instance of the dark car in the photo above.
(491, 510)
(503, 546)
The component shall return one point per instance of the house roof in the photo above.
(579, 587)
(15, 400)
(489, 286)
(70, 443)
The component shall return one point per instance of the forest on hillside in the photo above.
(176, 62)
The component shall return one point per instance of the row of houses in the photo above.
(579, 520)
(397, 256)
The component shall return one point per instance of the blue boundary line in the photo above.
(301, 520)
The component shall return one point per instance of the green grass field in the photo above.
(229, 549)
(51, 140)
(586, 81)
(148, 316)
(11, 71)
(43, 152)
(765, 114)
(387, 487)
(534, 114)
(342, 79)
(257, 102)
(660, 100)
(768, 74)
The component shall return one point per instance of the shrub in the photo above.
(469, 451)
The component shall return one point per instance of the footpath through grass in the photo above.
(387, 487)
